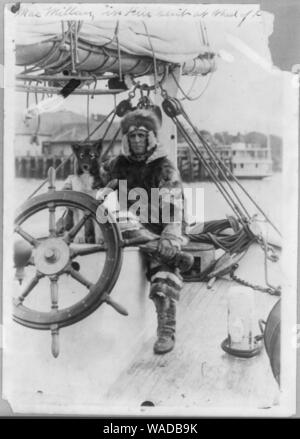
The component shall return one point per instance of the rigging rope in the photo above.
(77, 31)
(186, 94)
(118, 110)
(63, 32)
(70, 156)
(109, 125)
(119, 50)
(209, 169)
(154, 57)
(212, 233)
(88, 114)
(39, 118)
(27, 97)
(111, 40)
(202, 33)
(104, 155)
(215, 159)
(173, 108)
(206, 35)
(95, 86)
(72, 47)
(235, 243)
(227, 170)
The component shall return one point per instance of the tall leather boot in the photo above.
(165, 325)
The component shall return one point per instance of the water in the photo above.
(210, 205)
(267, 193)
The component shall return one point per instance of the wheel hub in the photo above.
(51, 256)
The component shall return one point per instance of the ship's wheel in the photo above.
(55, 258)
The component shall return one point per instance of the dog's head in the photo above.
(87, 155)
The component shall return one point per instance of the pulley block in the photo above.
(172, 107)
(123, 107)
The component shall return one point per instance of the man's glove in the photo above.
(103, 193)
(179, 259)
(168, 248)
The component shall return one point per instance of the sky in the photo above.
(247, 93)
(244, 94)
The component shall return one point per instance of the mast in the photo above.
(168, 135)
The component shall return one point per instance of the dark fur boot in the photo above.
(166, 311)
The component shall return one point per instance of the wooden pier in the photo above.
(37, 166)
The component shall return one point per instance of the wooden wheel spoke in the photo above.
(52, 222)
(34, 281)
(88, 250)
(33, 241)
(81, 279)
(55, 340)
(75, 229)
(55, 256)
(54, 293)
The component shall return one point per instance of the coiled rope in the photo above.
(213, 233)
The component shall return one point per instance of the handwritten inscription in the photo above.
(56, 11)
(139, 12)
(240, 15)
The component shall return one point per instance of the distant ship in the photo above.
(244, 160)
(251, 160)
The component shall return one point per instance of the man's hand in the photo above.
(167, 249)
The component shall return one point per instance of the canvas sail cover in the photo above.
(166, 41)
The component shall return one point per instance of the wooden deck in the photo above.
(198, 373)
(107, 365)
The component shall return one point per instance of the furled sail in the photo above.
(127, 46)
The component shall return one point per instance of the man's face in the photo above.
(138, 141)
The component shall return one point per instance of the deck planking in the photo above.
(197, 373)
(107, 361)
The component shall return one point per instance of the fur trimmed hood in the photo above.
(138, 118)
(149, 120)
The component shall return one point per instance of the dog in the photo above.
(86, 179)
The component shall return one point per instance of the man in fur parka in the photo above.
(144, 165)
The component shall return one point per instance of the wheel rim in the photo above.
(53, 257)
